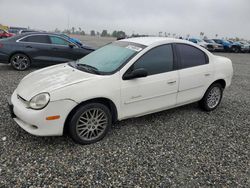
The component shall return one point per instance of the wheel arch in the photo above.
(105, 101)
(20, 52)
(220, 81)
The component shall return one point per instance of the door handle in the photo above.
(172, 82)
(28, 46)
(207, 74)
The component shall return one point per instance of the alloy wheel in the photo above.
(214, 97)
(20, 62)
(91, 124)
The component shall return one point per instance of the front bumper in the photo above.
(218, 48)
(34, 121)
(4, 58)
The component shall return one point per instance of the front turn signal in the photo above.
(52, 117)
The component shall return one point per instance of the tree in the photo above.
(57, 30)
(120, 34)
(92, 33)
(82, 33)
(104, 33)
(114, 34)
(73, 30)
(202, 34)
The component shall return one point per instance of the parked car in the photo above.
(74, 40)
(24, 50)
(5, 34)
(236, 46)
(16, 30)
(28, 31)
(127, 78)
(214, 47)
(201, 42)
(226, 44)
(245, 46)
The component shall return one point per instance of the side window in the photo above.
(2, 31)
(157, 60)
(218, 41)
(37, 39)
(58, 41)
(193, 40)
(191, 56)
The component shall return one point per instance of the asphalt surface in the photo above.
(182, 147)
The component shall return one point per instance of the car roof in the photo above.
(148, 41)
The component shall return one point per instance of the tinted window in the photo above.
(218, 41)
(37, 39)
(58, 41)
(191, 56)
(193, 40)
(157, 60)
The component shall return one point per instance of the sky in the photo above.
(227, 18)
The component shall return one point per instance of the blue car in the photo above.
(74, 40)
(237, 46)
(226, 44)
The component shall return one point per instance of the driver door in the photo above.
(62, 51)
(155, 92)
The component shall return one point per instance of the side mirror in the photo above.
(137, 73)
(71, 45)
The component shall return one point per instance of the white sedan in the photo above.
(124, 79)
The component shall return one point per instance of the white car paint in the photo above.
(69, 87)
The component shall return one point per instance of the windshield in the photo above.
(110, 57)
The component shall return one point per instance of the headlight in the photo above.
(39, 101)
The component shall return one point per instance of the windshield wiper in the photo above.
(72, 64)
(88, 68)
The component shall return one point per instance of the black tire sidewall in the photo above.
(203, 102)
(29, 61)
(78, 113)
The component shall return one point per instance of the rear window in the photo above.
(191, 56)
(37, 39)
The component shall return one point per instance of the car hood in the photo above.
(50, 79)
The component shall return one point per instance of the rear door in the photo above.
(37, 46)
(195, 73)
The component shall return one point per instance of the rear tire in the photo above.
(212, 97)
(90, 123)
(20, 61)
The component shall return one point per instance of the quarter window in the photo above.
(191, 56)
(58, 41)
(37, 39)
(157, 60)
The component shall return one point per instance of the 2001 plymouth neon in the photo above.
(124, 79)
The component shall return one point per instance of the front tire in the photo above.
(90, 123)
(20, 62)
(212, 97)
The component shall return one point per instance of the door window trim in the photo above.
(19, 40)
(175, 67)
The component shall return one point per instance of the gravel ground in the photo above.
(182, 147)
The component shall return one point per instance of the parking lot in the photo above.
(182, 147)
